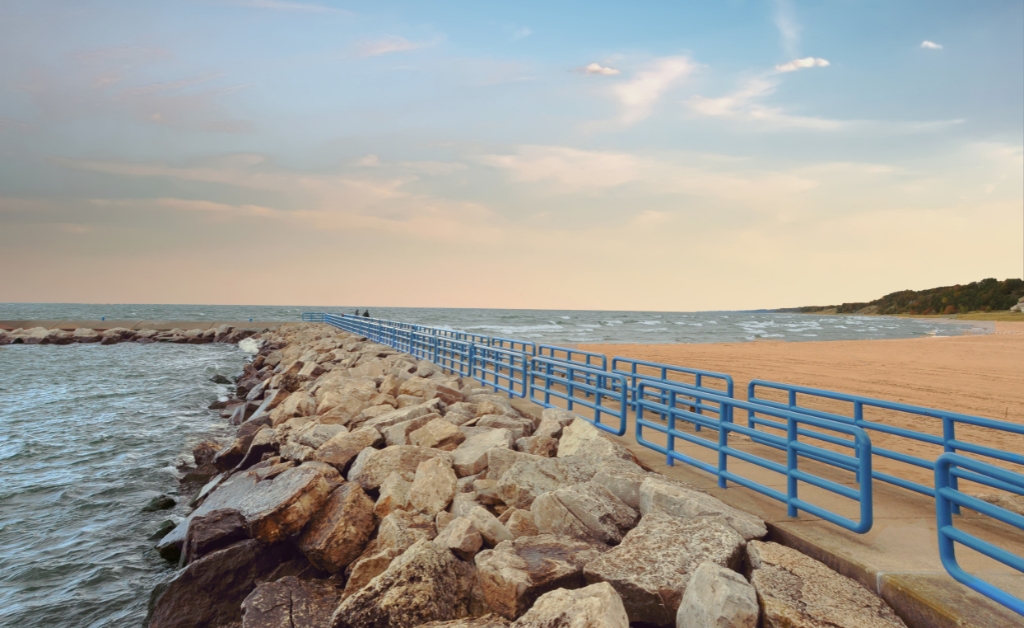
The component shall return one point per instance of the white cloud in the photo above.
(789, 28)
(281, 5)
(799, 64)
(597, 68)
(521, 33)
(369, 161)
(639, 95)
(931, 45)
(390, 44)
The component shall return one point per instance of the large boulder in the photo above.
(595, 606)
(439, 434)
(586, 510)
(470, 457)
(381, 463)
(373, 562)
(210, 591)
(222, 493)
(525, 480)
(85, 335)
(299, 403)
(290, 603)
(339, 531)
(408, 413)
(652, 566)
(433, 487)
(623, 479)
(342, 448)
(426, 583)
(797, 591)
(659, 494)
(580, 438)
(212, 531)
(515, 573)
(717, 597)
(280, 507)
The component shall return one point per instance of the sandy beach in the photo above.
(977, 375)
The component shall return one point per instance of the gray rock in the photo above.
(226, 494)
(426, 583)
(290, 603)
(796, 590)
(717, 597)
(319, 434)
(515, 573)
(525, 480)
(659, 494)
(586, 510)
(212, 531)
(652, 566)
(595, 606)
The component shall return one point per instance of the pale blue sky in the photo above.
(698, 155)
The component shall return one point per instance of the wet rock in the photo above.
(263, 443)
(220, 379)
(652, 566)
(433, 486)
(381, 463)
(461, 537)
(162, 530)
(595, 606)
(438, 434)
(226, 494)
(525, 480)
(213, 531)
(717, 597)
(339, 531)
(394, 495)
(290, 603)
(426, 583)
(210, 591)
(489, 527)
(470, 457)
(581, 439)
(160, 502)
(229, 457)
(515, 573)
(796, 590)
(586, 510)
(342, 448)
(278, 508)
(659, 494)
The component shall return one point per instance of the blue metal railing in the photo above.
(947, 496)
(501, 369)
(949, 422)
(703, 399)
(550, 378)
(715, 411)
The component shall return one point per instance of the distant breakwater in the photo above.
(224, 333)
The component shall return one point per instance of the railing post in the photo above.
(948, 436)
(791, 465)
(670, 440)
(724, 418)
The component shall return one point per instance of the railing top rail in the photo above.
(575, 366)
(934, 413)
(551, 351)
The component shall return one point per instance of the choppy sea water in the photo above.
(548, 326)
(88, 435)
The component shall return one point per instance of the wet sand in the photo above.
(977, 375)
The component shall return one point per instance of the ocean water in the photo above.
(88, 435)
(548, 326)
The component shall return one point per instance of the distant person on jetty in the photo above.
(366, 313)
(357, 312)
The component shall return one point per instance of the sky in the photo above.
(727, 154)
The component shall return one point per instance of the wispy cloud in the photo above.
(390, 44)
(800, 64)
(597, 68)
(639, 95)
(281, 5)
(931, 45)
(521, 33)
(789, 28)
(745, 104)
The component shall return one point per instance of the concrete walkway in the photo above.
(137, 325)
(898, 558)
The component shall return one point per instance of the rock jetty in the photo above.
(368, 489)
(44, 336)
